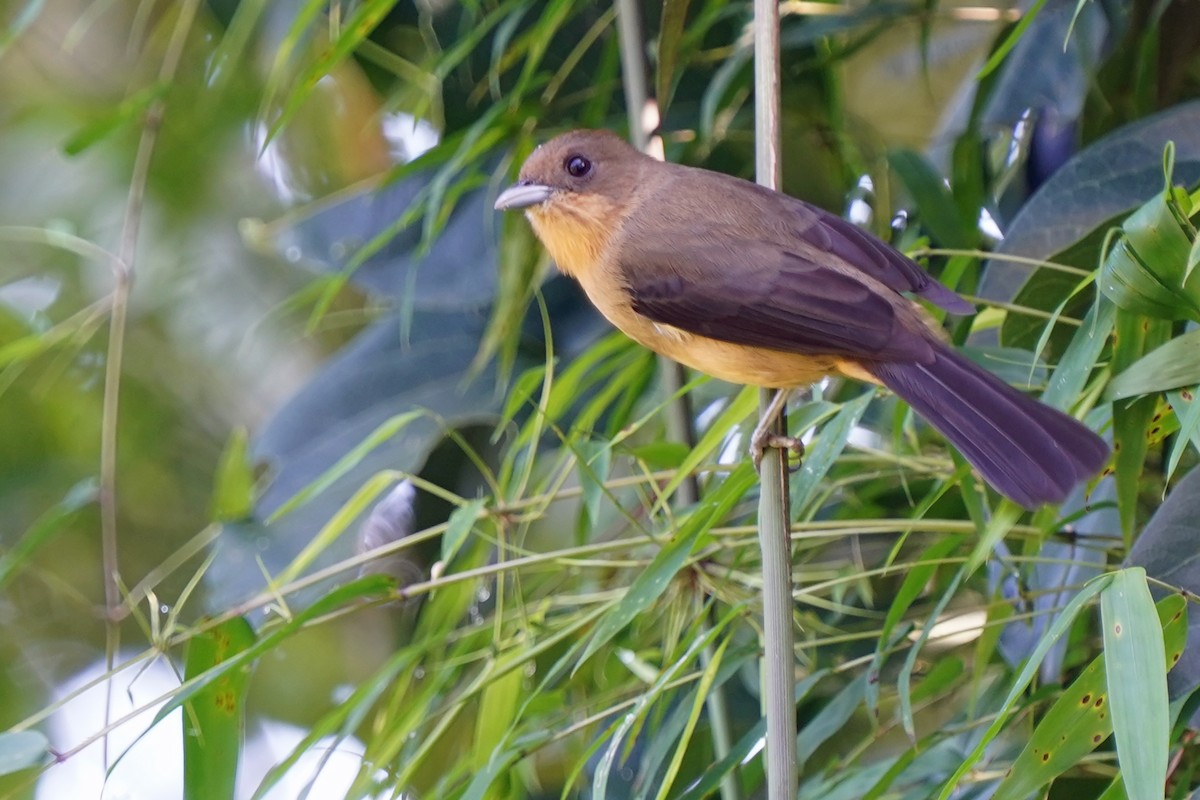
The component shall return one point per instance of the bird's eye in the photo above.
(577, 166)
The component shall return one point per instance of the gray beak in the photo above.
(523, 195)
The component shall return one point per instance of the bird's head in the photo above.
(576, 189)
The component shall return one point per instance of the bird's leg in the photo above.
(763, 437)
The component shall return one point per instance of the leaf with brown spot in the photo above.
(1078, 721)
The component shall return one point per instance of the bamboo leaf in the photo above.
(1134, 657)
(670, 37)
(214, 718)
(1080, 719)
(1174, 364)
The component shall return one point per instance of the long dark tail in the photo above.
(1030, 452)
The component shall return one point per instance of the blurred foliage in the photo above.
(364, 425)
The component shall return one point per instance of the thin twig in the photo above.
(123, 284)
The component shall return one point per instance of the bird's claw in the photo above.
(765, 439)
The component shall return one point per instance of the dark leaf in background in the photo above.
(458, 271)
(1093, 187)
(377, 377)
(1169, 549)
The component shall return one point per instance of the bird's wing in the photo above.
(829, 233)
(754, 293)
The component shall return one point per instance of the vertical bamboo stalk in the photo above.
(779, 676)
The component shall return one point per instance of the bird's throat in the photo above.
(575, 234)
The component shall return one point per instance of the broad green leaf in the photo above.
(1145, 270)
(214, 719)
(1134, 657)
(741, 406)
(1187, 413)
(233, 488)
(22, 750)
(1056, 631)
(1080, 719)
(1174, 364)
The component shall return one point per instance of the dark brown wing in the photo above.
(832, 234)
(757, 294)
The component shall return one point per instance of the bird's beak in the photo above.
(522, 195)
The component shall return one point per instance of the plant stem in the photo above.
(779, 676)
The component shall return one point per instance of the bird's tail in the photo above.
(1030, 452)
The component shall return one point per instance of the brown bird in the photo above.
(755, 287)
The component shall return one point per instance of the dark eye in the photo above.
(577, 166)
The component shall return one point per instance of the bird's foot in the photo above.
(763, 439)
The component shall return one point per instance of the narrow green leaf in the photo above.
(1062, 623)
(497, 714)
(381, 434)
(370, 587)
(462, 521)
(22, 750)
(214, 718)
(128, 112)
(47, 525)
(916, 580)
(670, 36)
(738, 409)
(233, 488)
(685, 738)
(1187, 412)
(653, 581)
(832, 717)
(1010, 41)
(820, 457)
(1137, 683)
(935, 204)
(1080, 719)
(1081, 355)
(1174, 364)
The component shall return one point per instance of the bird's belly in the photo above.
(730, 362)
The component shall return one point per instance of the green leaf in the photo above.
(497, 715)
(654, 579)
(938, 211)
(47, 525)
(233, 488)
(1080, 719)
(214, 718)
(1174, 364)
(1011, 40)
(820, 457)
(1056, 631)
(832, 717)
(22, 750)
(916, 580)
(381, 434)
(1145, 270)
(1134, 657)
(1081, 355)
(462, 522)
(670, 35)
(738, 409)
(128, 112)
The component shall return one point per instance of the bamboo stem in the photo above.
(778, 675)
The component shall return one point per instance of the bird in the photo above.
(753, 286)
